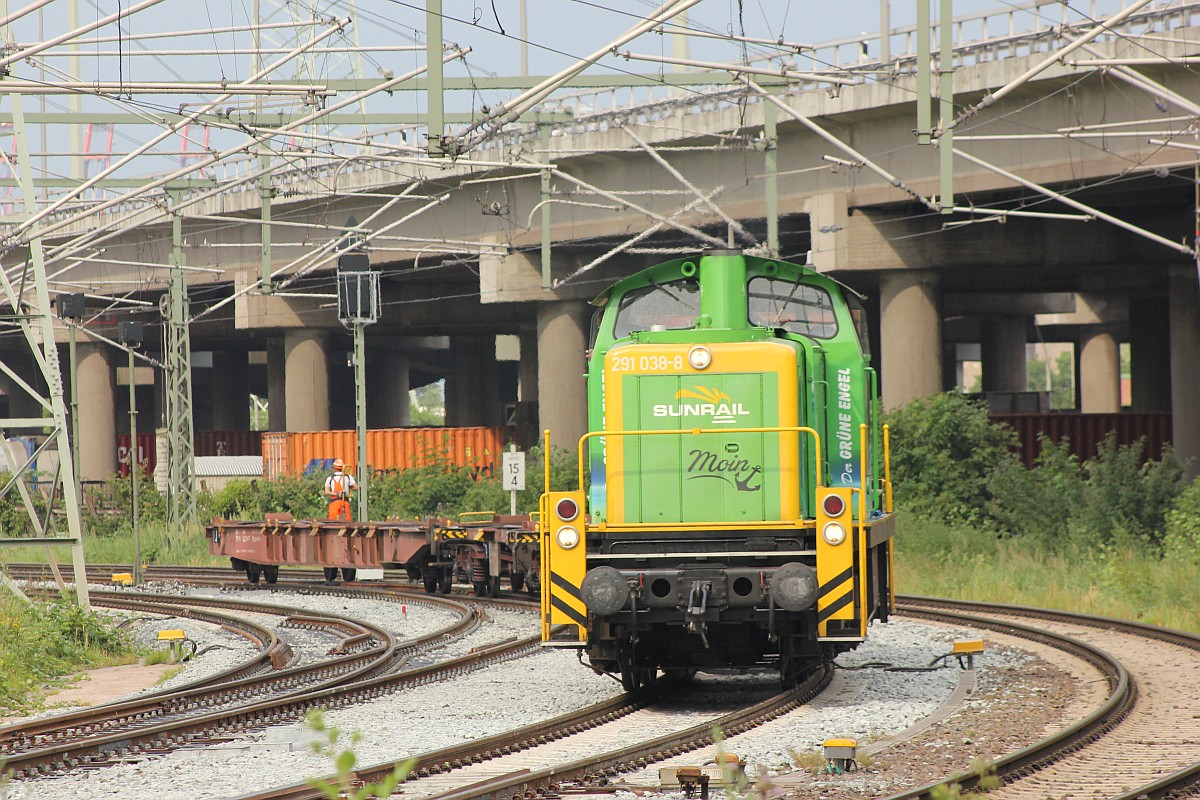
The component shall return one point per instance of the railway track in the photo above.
(213, 711)
(1080, 757)
(266, 676)
(615, 731)
(1142, 742)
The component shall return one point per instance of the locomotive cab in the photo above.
(735, 498)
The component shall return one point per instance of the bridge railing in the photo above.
(1025, 29)
(1032, 27)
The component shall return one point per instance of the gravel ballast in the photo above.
(514, 694)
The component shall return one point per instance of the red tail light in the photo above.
(833, 505)
(566, 509)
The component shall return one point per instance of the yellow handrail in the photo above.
(887, 468)
(861, 568)
(546, 461)
(696, 432)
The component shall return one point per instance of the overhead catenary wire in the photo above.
(217, 157)
(679, 176)
(492, 122)
(171, 130)
(1120, 223)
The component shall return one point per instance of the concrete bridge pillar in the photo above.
(910, 335)
(231, 390)
(1185, 364)
(1002, 350)
(472, 395)
(276, 386)
(527, 371)
(1150, 352)
(561, 367)
(1099, 372)
(387, 389)
(306, 368)
(97, 412)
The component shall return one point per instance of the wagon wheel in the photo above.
(253, 573)
(271, 573)
(517, 581)
(481, 588)
(348, 574)
(446, 582)
(330, 574)
(431, 583)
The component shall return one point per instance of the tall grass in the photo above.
(160, 545)
(1124, 580)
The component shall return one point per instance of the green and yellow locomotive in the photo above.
(737, 507)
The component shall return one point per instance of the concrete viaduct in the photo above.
(465, 293)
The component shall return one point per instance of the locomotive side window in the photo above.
(594, 333)
(795, 307)
(669, 306)
(858, 315)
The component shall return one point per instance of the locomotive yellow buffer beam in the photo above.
(564, 563)
(837, 566)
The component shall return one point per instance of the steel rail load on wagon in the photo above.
(737, 509)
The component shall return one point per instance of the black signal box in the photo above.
(71, 306)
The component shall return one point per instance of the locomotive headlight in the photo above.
(699, 357)
(834, 533)
(567, 537)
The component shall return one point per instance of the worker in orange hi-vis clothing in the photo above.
(338, 487)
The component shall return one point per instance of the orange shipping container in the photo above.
(306, 452)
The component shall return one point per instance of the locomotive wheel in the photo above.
(634, 679)
(348, 574)
(330, 574)
(253, 573)
(517, 581)
(271, 573)
(431, 584)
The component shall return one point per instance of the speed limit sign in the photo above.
(513, 468)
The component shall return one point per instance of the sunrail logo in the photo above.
(713, 403)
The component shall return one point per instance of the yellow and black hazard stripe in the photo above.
(460, 534)
(836, 595)
(566, 599)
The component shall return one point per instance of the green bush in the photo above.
(1038, 503)
(44, 641)
(1182, 537)
(254, 499)
(489, 494)
(13, 516)
(438, 488)
(950, 464)
(1122, 498)
(945, 454)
